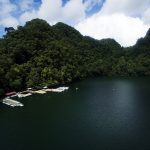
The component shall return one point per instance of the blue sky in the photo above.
(123, 20)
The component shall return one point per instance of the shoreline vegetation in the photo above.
(38, 55)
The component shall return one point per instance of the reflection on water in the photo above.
(103, 114)
(125, 110)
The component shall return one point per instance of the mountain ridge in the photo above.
(38, 54)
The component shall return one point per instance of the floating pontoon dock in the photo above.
(11, 102)
(38, 92)
(60, 89)
(20, 95)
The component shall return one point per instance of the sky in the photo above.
(123, 20)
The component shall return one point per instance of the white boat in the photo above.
(45, 87)
(23, 95)
(39, 92)
(60, 89)
(11, 102)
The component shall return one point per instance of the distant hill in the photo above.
(38, 54)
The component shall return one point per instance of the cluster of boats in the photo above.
(29, 92)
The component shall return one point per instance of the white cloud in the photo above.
(146, 16)
(133, 8)
(128, 7)
(6, 19)
(73, 12)
(9, 22)
(53, 11)
(6, 7)
(124, 29)
(89, 4)
(27, 16)
(50, 9)
(26, 4)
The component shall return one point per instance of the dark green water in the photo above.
(104, 114)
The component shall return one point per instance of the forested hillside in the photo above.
(42, 55)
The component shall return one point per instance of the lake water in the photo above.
(103, 114)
